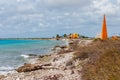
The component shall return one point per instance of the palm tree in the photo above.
(65, 35)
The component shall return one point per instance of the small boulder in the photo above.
(52, 77)
(2, 76)
(32, 55)
(28, 68)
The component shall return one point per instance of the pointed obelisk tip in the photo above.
(104, 16)
(104, 34)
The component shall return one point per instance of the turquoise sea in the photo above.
(14, 53)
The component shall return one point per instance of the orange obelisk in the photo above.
(104, 34)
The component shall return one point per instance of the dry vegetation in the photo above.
(104, 60)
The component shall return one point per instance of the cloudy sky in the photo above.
(46, 18)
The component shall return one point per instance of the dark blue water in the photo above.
(13, 53)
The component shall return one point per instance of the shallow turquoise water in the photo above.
(12, 52)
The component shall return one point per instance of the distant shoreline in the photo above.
(27, 39)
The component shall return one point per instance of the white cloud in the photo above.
(62, 3)
(105, 7)
(19, 0)
(57, 15)
(67, 14)
(41, 24)
(25, 7)
(118, 1)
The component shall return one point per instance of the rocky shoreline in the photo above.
(60, 65)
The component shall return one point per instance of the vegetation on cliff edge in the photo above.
(104, 60)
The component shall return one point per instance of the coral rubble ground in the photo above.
(80, 60)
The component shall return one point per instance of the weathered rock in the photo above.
(33, 67)
(28, 68)
(2, 76)
(63, 47)
(52, 77)
(32, 55)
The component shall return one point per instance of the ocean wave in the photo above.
(25, 56)
(29, 55)
(6, 68)
(30, 58)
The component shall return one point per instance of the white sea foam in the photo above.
(6, 69)
(29, 59)
(25, 56)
